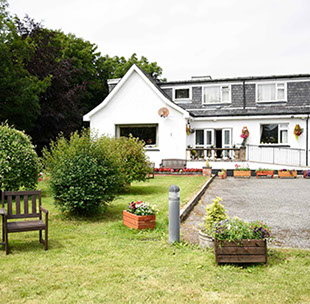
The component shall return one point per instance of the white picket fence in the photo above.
(276, 155)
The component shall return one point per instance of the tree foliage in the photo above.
(49, 80)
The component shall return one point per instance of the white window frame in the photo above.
(276, 83)
(182, 99)
(279, 132)
(221, 93)
(204, 138)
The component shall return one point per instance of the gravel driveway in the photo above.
(284, 204)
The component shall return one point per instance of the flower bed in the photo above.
(140, 215)
(184, 171)
(284, 173)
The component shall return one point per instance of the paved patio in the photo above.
(284, 204)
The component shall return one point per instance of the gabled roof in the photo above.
(148, 80)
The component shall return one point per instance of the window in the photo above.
(147, 133)
(181, 94)
(200, 138)
(216, 94)
(269, 92)
(274, 134)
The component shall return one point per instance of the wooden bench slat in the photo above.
(10, 205)
(26, 211)
(21, 216)
(34, 203)
(17, 204)
(25, 226)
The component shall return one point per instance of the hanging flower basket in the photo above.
(189, 129)
(298, 131)
(244, 134)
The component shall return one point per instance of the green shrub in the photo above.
(133, 161)
(214, 213)
(19, 163)
(84, 175)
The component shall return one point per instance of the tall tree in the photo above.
(19, 89)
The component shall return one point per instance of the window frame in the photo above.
(182, 99)
(279, 132)
(119, 126)
(276, 83)
(221, 85)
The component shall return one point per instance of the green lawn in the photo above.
(102, 261)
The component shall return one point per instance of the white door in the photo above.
(226, 141)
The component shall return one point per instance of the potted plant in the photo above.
(222, 174)
(140, 215)
(194, 154)
(207, 170)
(214, 213)
(284, 173)
(264, 172)
(242, 171)
(237, 241)
(306, 174)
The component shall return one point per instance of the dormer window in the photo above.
(182, 94)
(215, 94)
(271, 92)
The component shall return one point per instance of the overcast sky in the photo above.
(220, 38)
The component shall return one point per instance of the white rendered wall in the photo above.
(137, 103)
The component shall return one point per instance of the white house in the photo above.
(207, 115)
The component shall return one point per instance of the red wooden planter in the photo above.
(265, 173)
(243, 173)
(305, 174)
(244, 251)
(207, 171)
(138, 221)
(287, 174)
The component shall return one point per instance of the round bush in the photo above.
(19, 163)
(130, 152)
(83, 174)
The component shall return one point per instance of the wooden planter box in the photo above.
(265, 173)
(287, 174)
(241, 252)
(245, 173)
(138, 221)
(305, 174)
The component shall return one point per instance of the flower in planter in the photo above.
(242, 168)
(141, 208)
(308, 173)
(236, 229)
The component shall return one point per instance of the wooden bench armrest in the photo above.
(44, 210)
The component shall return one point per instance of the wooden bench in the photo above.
(30, 209)
(173, 163)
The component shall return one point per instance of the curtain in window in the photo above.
(212, 95)
(266, 92)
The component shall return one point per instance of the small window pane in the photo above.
(266, 92)
(209, 138)
(212, 95)
(226, 137)
(225, 94)
(182, 94)
(147, 133)
(281, 95)
(269, 134)
(283, 137)
(199, 138)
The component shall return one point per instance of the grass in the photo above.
(102, 261)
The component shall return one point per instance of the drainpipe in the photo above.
(244, 98)
(307, 141)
